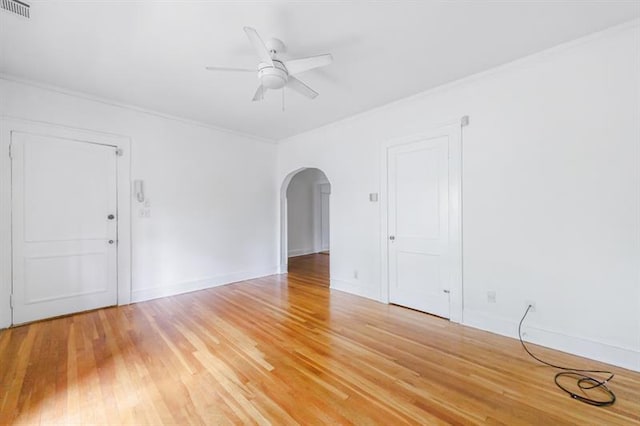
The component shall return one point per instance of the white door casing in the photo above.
(421, 199)
(325, 199)
(64, 226)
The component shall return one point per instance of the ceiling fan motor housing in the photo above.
(273, 77)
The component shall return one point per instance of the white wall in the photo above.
(213, 205)
(551, 192)
(303, 212)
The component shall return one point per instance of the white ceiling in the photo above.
(153, 54)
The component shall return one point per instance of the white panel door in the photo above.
(418, 215)
(324, 217)
(64, 226)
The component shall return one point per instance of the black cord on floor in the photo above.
(584, 381)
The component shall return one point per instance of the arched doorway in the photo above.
(305, 221)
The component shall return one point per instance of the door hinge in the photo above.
(464, 121)
(11, 300)
(10, 153)
(119, 152)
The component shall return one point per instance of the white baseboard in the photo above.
(140, 295)
(622, 357)
(354, 287)
(301, 252)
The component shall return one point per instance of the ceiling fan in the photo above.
(276, 73)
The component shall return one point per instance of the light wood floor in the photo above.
(312, 269)
(282, 350)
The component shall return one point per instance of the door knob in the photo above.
(392, 237)
(111, 217)
(111, 241)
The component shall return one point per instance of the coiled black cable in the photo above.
(584, 381)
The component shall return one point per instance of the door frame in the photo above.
(322, 189)
(122, 143)
(318, 188)
(453, 131)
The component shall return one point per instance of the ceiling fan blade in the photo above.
(300, 87)
(259, 94)
(230, 69)
(296, 66)
(258, 45)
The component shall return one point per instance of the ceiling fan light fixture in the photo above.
(273, 77)
(273, 81)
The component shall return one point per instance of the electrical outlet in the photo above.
(531, 303)
(491, 296)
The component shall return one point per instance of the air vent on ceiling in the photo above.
(16, 6)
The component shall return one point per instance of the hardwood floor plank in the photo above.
(283, 350)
